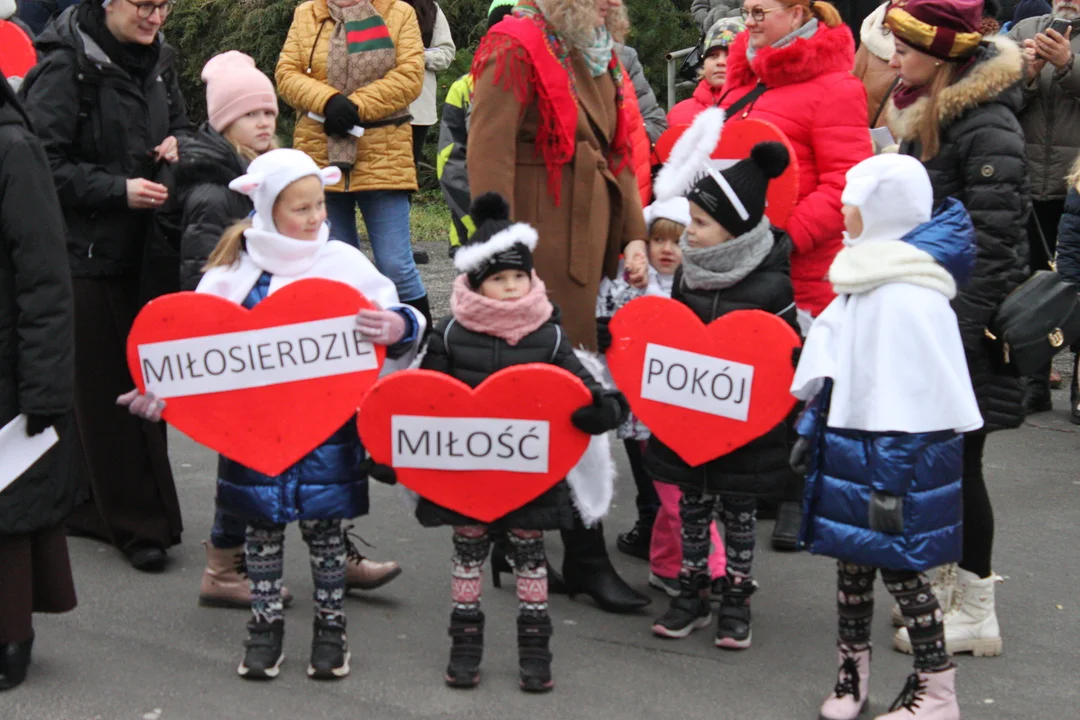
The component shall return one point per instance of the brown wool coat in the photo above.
(598, 212)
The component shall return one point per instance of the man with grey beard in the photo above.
(1051, 122)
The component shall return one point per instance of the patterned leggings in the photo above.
(922, 614)
(264, 553)
(471, 546)
(739, 516)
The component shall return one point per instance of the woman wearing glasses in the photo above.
(105, 103)
(798, 57)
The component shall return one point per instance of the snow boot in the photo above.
(329, 649)
(690, 609)
(263, 652)
(534, 657)
(926, 696)
(850, 696)
(971, 625)
(225, 582)
(733, 624)
(466, 650)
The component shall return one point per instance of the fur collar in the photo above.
(830, 50)
(879, 44)
(997, 69)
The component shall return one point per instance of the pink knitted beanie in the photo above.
(235, 87)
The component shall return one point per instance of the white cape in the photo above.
(896, 361)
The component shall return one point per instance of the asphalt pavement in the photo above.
(140, 648)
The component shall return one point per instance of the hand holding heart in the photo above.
(384, 327)
(147, 406)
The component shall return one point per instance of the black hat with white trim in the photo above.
(497, 244)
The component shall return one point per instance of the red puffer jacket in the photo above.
(705, 96)
(640, 147)
(821, 107)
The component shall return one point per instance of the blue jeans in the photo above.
(229, 531)
(386, 216)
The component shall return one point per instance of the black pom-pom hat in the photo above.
(497, 244)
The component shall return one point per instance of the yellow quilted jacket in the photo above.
(384, 157)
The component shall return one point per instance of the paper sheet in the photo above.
(882, 138)
(19, 451)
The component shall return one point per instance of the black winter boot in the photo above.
(733, 625)
(587, 570)
(329, 650)
(466, 650)
(534, 657)
(1037, 398)
(690, 610)
(263, 652)
(14, 662)
(637, 541)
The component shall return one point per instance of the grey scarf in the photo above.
(805, 32)
(721, 266)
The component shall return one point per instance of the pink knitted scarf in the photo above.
(510, 320)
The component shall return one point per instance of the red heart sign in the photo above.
(702, 390)
(495, 441)
(17, 54)
(738, 138)
(256, 398)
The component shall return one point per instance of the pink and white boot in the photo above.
(849, 697)
(926, 696)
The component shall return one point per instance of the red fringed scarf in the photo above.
(530, 57)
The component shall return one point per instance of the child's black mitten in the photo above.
(382, 473)
(607, 410)
(37, 424)
(887, 513)
(603, 335)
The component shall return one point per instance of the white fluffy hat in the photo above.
(272, 172)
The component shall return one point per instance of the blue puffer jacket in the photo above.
(1068, 244)
(846, 466)
(327, 483)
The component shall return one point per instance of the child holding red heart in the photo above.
(287, 240)
(657, 534)
(731, 261)
(889, 397)
(501, 317)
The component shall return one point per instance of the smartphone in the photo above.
(1061, 25)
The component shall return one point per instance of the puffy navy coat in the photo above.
(1068, 247)
(846, 466)
(327, 483)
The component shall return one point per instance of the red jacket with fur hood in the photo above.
(821, 107)
(705, 96)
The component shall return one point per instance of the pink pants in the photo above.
(665, 555)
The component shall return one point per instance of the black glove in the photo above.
(341, 115)
(607, 410)
(800, 455)
(382, 473)
(603, 335)
(37, 424)
(887, 513)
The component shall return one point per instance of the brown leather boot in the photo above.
(363, 573)
(225, 582)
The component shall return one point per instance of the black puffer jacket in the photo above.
(759, 468)
(208, 163)
(37, 362)
(93, 157)
(471, 357)
(982, 163)
(1068, 244)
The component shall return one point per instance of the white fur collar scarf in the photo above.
(868, 266)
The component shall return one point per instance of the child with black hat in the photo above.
(501, 316)
(731, 261)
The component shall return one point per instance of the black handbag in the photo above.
(1035, 321)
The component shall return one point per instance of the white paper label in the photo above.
(697, 382)
(465, 443)
(255, 358)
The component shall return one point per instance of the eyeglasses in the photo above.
(146, 9)
(759, 12)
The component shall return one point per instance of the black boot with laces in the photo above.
(466, 650)
(329, 650)
(263, 652)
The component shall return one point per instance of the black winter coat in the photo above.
(37, 363)
(1068, 243)
(93, 157)
(759, 468)
(208, 163)
(471, 357)
(983, 164)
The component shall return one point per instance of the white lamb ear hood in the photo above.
(893, 194)
(272, 172)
